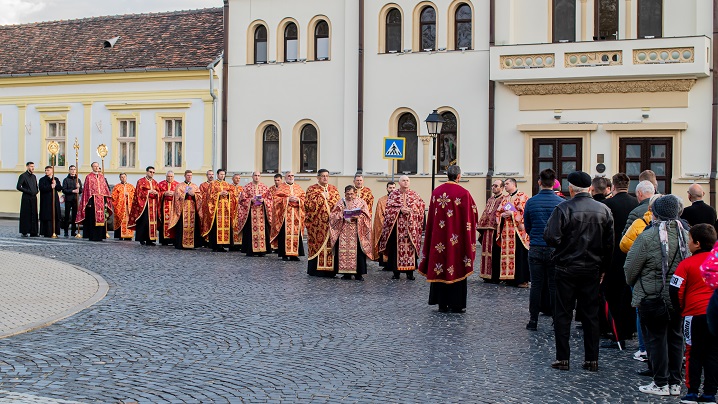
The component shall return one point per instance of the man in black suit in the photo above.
(699, 211)
(613, 286)
(27, 184)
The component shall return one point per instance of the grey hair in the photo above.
(453, 172)
(576, 189)
(170, 172)
(646, 188)
(653, 199)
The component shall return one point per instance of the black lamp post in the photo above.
(434, 122)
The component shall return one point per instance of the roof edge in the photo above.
(105, 71)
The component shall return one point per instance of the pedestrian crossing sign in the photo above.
(394, 148)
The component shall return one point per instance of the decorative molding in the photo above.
(663, 55)
(671, 126)
(531, 61)
(593, 59)
(601, 87)
(53, 108)
(152, 105)
(557, 127)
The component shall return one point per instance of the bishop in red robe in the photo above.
(401, 235)
(95, 205)
(450, 244)
(166, 190)
(255, 217)
(350, 228)
(145, 208)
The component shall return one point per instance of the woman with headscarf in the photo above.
(650, 264)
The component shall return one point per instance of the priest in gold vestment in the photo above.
(288, 219)
(216, 215)
(321, 198)
(255, 216)
(122, 196)
(185, 221)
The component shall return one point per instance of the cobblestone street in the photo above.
(196, 326)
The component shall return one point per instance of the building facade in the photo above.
(141, 84)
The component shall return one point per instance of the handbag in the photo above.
(653, 306)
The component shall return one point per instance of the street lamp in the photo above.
(434, 123)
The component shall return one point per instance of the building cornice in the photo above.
(602, 87)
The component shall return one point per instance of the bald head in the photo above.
(695, 193)
(289, 177)
(404, 182)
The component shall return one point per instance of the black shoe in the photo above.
(443, 309)
(347, 277)
(294, 258)
(151, 244)
(142, 243)
(647, 373)
(219, 249)
(359, 278)
(34, 235)
(591, 366)
(560, 365)
(532, 325)
(410, 276)
(285, 258)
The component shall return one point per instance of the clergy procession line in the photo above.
(342, 232)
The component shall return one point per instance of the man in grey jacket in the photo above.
(644, 192)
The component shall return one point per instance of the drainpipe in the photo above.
(225, 83)
(714, 112)
(210, 67)
(360, 91)
(492, 102)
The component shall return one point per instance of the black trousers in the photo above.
(70, 214)
(142, 228)
(703, 356)
(664, 343)
(572, 288)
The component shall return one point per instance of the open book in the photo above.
(350, 213)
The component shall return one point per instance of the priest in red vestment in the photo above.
(288, 219)
(255, 217)
(401, 234)
(379, 215)
(490, 248)
(95, 205)
(236, 230)
(450, 245)
(321, 198)
(350, 229)
(364, 192)
(167, 193)
(513, 238)
(145, 208)
(217, 211)
(122, 196)
(185, 221)
(278, 180)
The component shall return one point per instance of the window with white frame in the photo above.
(127, 139)
(56, 132)
(172, 140)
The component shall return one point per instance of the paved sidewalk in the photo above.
(39, 291)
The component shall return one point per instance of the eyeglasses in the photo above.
(151, 172)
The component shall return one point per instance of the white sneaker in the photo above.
(675, 389)
(653, 389)
(640, 356)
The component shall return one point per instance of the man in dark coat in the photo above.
(27, 184)
(49, 186)
(699, 211)
(613, 286)
(72, 189)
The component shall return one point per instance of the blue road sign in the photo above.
(394, 148)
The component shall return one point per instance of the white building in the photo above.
(140, 84)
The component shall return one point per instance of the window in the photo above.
(172, 140)
(639, 154)
(260, 44)
(427, 27)
(291, 43)
(127, 139)
(606, 20)
(393, 31)
(462, 28)
(56, 132)
(308, 149)
(562, 155)
(321, 41)
(407, 129)
(446, 143)
(564, 20)
(270, 149)
(650, 18)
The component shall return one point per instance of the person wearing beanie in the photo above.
(581, 231)
(650, 264)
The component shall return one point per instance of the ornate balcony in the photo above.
(656, 59)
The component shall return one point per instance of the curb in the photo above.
(102, 288)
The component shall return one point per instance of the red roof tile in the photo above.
(173, 40)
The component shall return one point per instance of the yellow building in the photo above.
(146, 85)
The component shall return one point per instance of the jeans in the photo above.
(542, 270)
(664, 343)
(641, 342)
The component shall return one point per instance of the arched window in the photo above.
(447, 153)
(463, 27)
(270, 149)
(291, 43)
(407, 129)
(260, 44)
(321, 41)
(393, 31)
(650, 18)
(564, 20)
(428, 29)
(308, 149)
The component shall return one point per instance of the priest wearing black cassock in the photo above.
(49, 186)
(27, 184)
